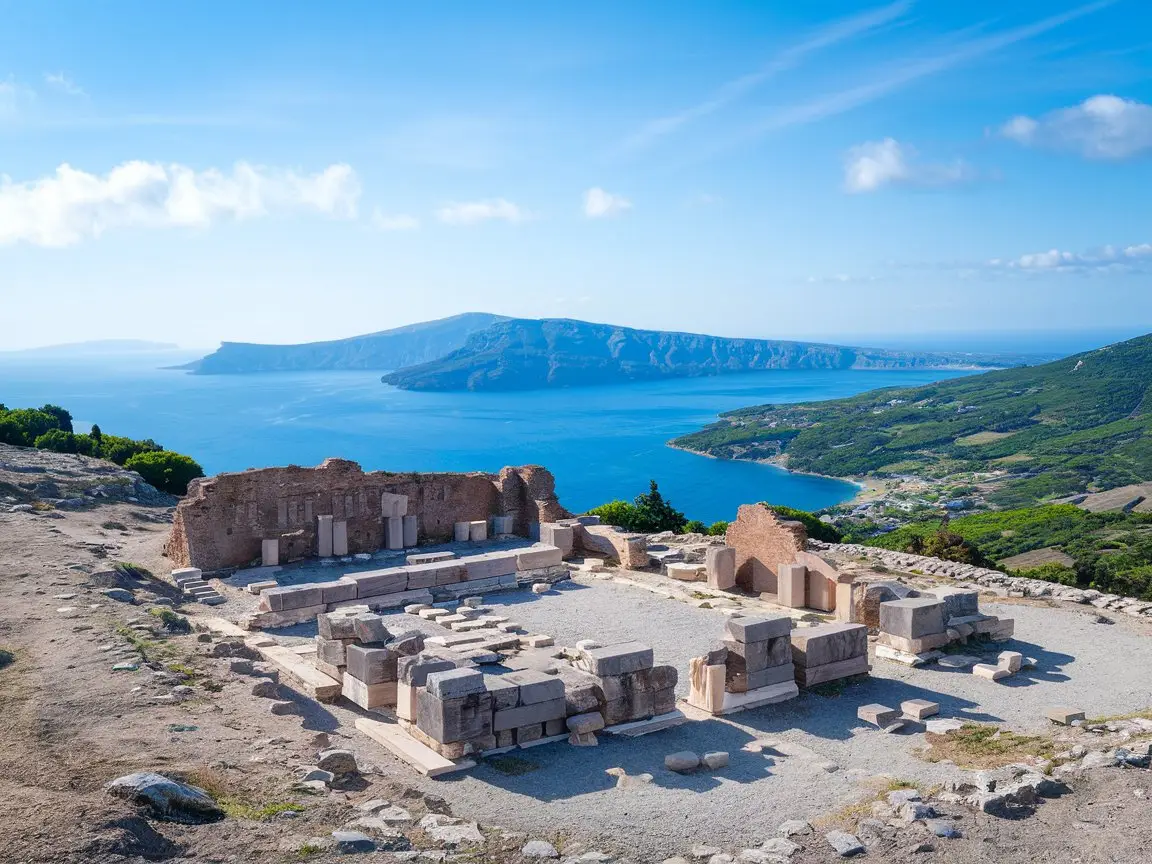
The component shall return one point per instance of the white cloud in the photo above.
(870, 166)
(474, 212)
(1107, 259)
(1101, 127)
(61, 82)
(15, 98)
(393, 221)
(839, 278)
(71, 205)
(599, 204)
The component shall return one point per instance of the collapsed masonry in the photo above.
(279, 515)
(912, 629)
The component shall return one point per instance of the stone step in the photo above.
(212, 599)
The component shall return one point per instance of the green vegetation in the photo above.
(816, 529)
(50, 428)
(1077, 424)
(1112, 551)
(648, 513)
(982, 745)
(695, 526)
(172, 622)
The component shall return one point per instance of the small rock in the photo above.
(321, 741)
(183, 692)
(703, 852)
(240, 667)
(281, 708)
(125, 667)
(682, 762)
(780, 846)
(339, 762)
(541, 588)
(204, 637)
(793, 827)
(721, 858)
(713, 761)
(351, 842)
(829, 767)
(266, 690)
(844, 843)
(120, 595)
(317, 774)
(449, 830)
(757, 856)
(943, 828)
(539, 849)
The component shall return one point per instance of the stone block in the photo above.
(560, 536)
(258, 587)
(336, 625)
(371, 665)
(455, 683)
(536, 686)
(429, 557)
(339, 591)
(460, 718)
(1010, 660)
(845, 601)
(706, 685)
(394, 532)
(489, 564)
(411, 529)
(478, 531)
(992, 673)
(460, 531)
(270, 552)
(186, 574)
(392, 504)
(581, 724)
(373, 583)
(525, 715)
(324, 536)
(958, 602)
(370, 628)
(877, 715)
(821, 591)
(720, 567)
(912, 618)
(538, 556)
(330, 651)
(407, 644)
(505, 693)
(930, 642)
(368, 696)
(435, 573)
(919, 709)
(771, 676)
(414, 670)
(683, 571)
(827, 643)
(406, 701)
(527, 734)
(500, 525)
(792, 586)
(293, 597)
(744, 657)
(810, 676)
(1064, 716)
(339, 538)
(536, 640)
(618, 659)
(554, 727)
(757, 629)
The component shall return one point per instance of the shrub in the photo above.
(695, 526)
(816, 529)
(718, 529)
(56, 440)
(648, 514)
(167, 471)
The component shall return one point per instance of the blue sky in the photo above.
(286, 171)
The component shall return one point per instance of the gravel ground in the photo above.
(569, 791)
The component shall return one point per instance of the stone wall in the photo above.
(223, 520)
(763, 541)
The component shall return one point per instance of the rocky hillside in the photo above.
(526, 354)
(40, 479)
(388, 349)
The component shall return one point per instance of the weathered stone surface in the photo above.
(536, 686)
(166, 799)
(828, 643)
(631, 550)
(757, 629)
(414, 670)
(919, 709)
(1064, 716)
(539, 849)
(792, 586)
(339, 762)
(454, 683)
(763, 542)
(913, 618)
(877, 715)
(455, 719)
(810, 676)
(371, 665)
(450, 831)
(682, 762)
(583, 723)
(715, 760)
(1010, 660)
(618, 659)
(527, 715)
(720, 567)
(992, 673)
(844, 843)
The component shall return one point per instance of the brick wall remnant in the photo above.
(223, 520)
(763, 542)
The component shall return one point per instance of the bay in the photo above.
(600, 443)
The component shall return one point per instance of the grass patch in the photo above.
(308, 849)
(511, 766)
(982, 438)
(981, 745)
(172, 622)
(235, 802)
(1142, 714)
(133, 571)
(150, 650)
(7, 658)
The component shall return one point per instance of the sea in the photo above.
(601, 443)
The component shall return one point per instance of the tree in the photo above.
(167, 471)
(618, 513)
(63, 418)
(718, 529)
(695, 526)
(96, 434)
(815, 529)
(656, 514)
(57, 440)
(120, 450)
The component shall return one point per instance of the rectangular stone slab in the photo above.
(456, 719)
(913, 617)
(455, 683)
(371, 665)
(429, 557)
(536, 686)
(505, 693)
(757, 629)
(810, 676)
(489, 565)
(618, 659)
(414, 671)
(338, 591)
(369, 696)
(406, 748)
(372, 583)
(828, 643)
(538, 556)
(526, 715)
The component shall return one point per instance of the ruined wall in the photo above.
(223, 519)
(763, 541)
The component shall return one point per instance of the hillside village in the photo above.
(304, 664)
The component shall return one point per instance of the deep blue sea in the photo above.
(601, 443)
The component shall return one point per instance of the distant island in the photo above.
(386, 350)
(1014, 437)
(480, 351)
(97, 347)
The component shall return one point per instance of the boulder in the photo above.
(166, 799)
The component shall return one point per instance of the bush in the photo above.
(120, 450)
(167, 471)
(816, 529)
(718, 529)
(648, 514)
(695, 526)
(56, 440)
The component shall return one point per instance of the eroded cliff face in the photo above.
(224, 519)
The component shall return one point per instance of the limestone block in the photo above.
(371, 665)
(845, 601)
(270, 552)
(339, 591)
(526, 735)
(526, 715)
(720, 567)
(292, 597)
(919, 709)
(406, 701)
(258, 587)
(186, 574)
(411, 531)
(394, 532)
(460, 531)
(631, 550)
(415, 669)
(324, 536)
(505, 693)
(930, 642)
(1064, 716)
(987, 670)
(372, 583)
(792, 586)
(339, 538)
(336, 625)
(392, 505)
(828, 643)
(877, 715)
(821, 591)
(434, 573)
(810, 676)
(368, 696)
(499, 525)
(706, 685)
(429, 557)
(454, 683)
(330, 651)
(581, 724)
(478, 531)
(912, 618)
(618, 659)
(1010, 660)
(560, 536)
(683, 571)
(536, 686)
(958, 602)
(746, 656)
(538, 556)
(489, 564)
(757, 629)
(459, 718)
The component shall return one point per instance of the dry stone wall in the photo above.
(223, 520)
(763, 543)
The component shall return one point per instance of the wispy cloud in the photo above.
(829, 36)
(599, 204)
(60, 81)
(382, 221)
(15, 99)
(840, 279)
(475, 212)
(875, 164)
(1101, 127)
(1137, 257)
(71, 205)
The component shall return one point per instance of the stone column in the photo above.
(394, 532)
(411, 532)
(461, 531)
(324, 536)
(478, 531)
(791, 586)
(720, 565)
(340, 538)
(270, 552)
